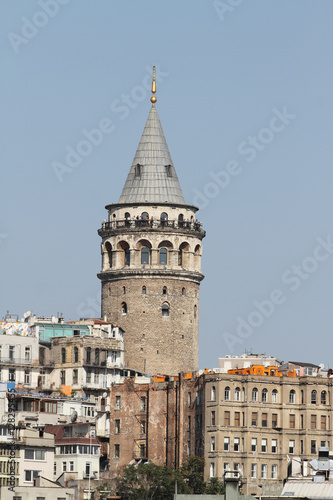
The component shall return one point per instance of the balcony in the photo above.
(17, 361)
(152, 225)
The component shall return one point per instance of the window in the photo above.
(212, 417)
(164, 219)
(75, 376)
(29, 475)
(313, 421)
(292, 397)
(274, 446)
(254, 394)
(88, 354)
(28, 454)
(189, 398)
(11, 352)
(264, 471)
(264, 420)
(63, 355)
(163, 256)
(226, 444)
(118, 403)
(87, 469)
(127, 257)
(226, 467)
(124, 290)
(274, 420)
(212, 470)
(76, 354)
(291, 446)
(143, 427)
(274, 396)
(237, 418)
(264, 395)
(302, 446)
(142, 403)
(323, 422)
(117, 426)
(313, 397)
(183, 291)
(165, 290)
(253, 470)
(27, 353)
(236, 444)
(116, 451)
(264, 445)
(213, 393)
(236, 468)
(39, 454)
(254, 444)
(302, 396)
(165, 310)
(292, 421)
(71, 466)
(97, 356)
(144, 255)
(227, 394)
(88, 376)
(123, 308)
(11, 375)
(274, 471)
(144, 290)
(168, 170)
(313, 447)
(137, 170)
(254, 419)
(62, 377)
(226, 418)
(323, 397)
(237, 394)
(212, 443)
(302, 421)
(27, 376)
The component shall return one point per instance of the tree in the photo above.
(148, 481)
(192, 472)
(215, 487)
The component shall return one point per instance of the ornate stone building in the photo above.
(151, 261)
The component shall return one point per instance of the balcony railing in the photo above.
(15, 361)
(153, 224)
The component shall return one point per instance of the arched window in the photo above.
(292, 396)
(323, 397)
(76, 354)
(164, 219)
(313, 397)
(108, 248)
(274, 396)
(227, 393)
(302, 396)
(127, 219)
(254, 394)
(125, 253)
(237, 394)
(195, 311)
(165, 310)
(264, 394)
(63, 355)
(183, 249)
(88, 354)
(165, 290)
(127, 257)
(144, 255)
(180, 220)
(213, 393)
(163, 256)
(183, 291)
(123, 308)
(145, 216)
(124, 290)
(144, 290)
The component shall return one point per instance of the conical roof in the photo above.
(152, 177)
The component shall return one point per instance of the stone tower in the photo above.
(151, 261)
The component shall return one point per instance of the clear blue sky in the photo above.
(245, 99)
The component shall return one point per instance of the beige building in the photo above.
(151, 261)
(258, 423)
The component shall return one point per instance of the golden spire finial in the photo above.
(153, 98)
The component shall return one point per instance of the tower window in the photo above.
(124, 290)
(144, 255)
(180, 220)
(164, 219)
(168, 170)
(195, 311)
(127, 219)
(138, 170)
(144, 290)
(108, 249)
(123, 308)
(163, 256)
(165, 290)
(145, 216)
(127, 257)
(183, 291)
(165, 310)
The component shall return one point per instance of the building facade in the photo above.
(151, 261)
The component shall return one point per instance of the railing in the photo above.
(153, 224)
(14, 360)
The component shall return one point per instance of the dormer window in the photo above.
(168, 170)
(138, 170)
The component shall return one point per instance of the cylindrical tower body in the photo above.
(151, 258)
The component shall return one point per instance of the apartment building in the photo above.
(255, 422)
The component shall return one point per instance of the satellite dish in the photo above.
(74, 417)
(105, 395)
